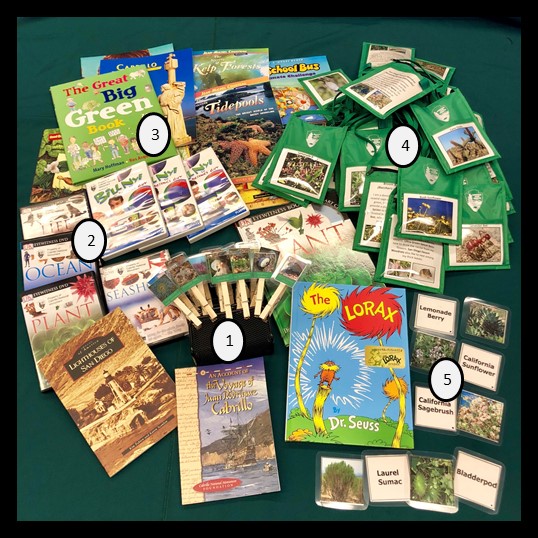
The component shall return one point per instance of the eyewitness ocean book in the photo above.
(49, 259)
(348, 376)
(98, 118)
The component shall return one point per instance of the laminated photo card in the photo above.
(478, 480)
(431, 414)
(340, 482)
(385, 89)
(378, 54)
(378, 187)
(409, 262)
(324, 87)
(435, 314)
(481, 367)
(426, 349)
(429, 206)
(485, 322)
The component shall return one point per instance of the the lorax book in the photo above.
(114, 388)
(348, 377)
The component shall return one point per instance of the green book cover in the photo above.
(98, 118)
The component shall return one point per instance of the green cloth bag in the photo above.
(303, 161)
(454, 133)
(429, 203)
(385, 89)
(361, 150)
(408, 262)
(378, 186)
(443, 72)
(324, 88)
(485, 234)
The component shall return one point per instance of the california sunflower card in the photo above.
(348, 376)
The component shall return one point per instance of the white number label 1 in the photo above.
(227, 340)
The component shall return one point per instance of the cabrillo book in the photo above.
(114, 388)
(226, 445)
(289, 94)
(125, 285)
(173, 81)
(49, 259)
(348, 376)
(102, 113)
(51, 178)
(125, 204)
(56, 312)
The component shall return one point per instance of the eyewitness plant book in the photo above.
(103, 112)
(348, 376)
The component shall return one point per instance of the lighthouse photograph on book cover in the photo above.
(348, 376)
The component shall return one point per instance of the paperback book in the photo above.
(348, 376)
(114, 388)
(172, 77)
(289, 94)
(125, 285)
(50, 259)
(103, 112)
(217, 198)
(52, 178)
(226, 444)
(125, 204)
(56, 312)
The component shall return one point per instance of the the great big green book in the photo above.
(348, 376)
(98, 118)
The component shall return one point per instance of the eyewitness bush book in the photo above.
(289, 94)
(226, 444)
(348, 376)
(114, 388)
(125, 285)
(103, 112)
(56, 312)
(52, 178)
(49, 259)
(125, 204)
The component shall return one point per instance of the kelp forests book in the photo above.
(114, 388)
(98, 118)
(348, 376)
(226, 444)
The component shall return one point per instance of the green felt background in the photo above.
(58, 477)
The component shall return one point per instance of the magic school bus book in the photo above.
(348, 376)
(98, 119)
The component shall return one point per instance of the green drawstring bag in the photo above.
(429, 203)
(496, 174)
(377, 54)
(303, 161)
(385, 89)
(484, 238)
(408, 262)
(378, 186)
(323, 88)
(454, 133)
(361, 149)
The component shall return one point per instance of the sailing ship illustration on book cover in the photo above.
(226, 445)
(348, 377)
